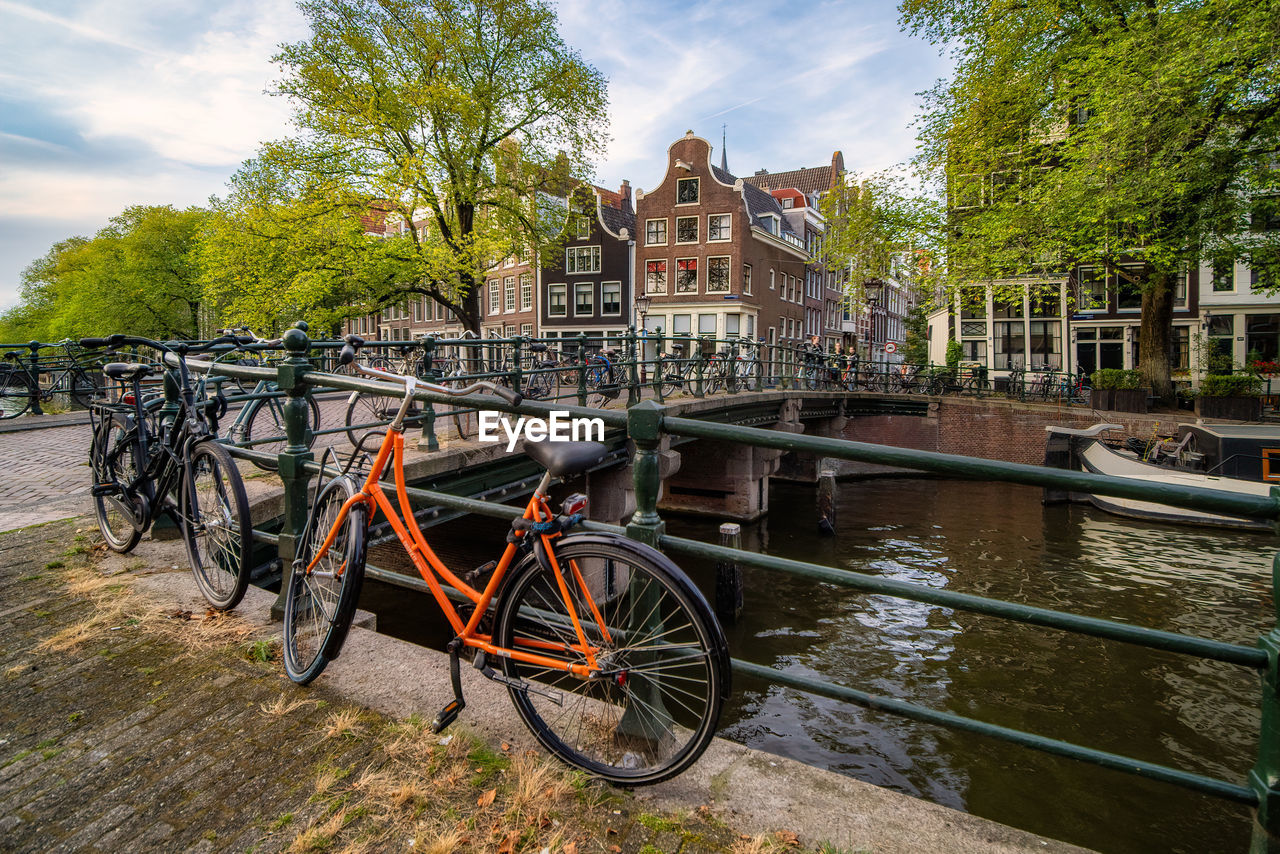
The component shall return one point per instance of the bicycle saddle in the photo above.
(538, 348)
(566, 458)
(126, 370)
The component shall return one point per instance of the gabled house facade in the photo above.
(716, 255)
(588, 289)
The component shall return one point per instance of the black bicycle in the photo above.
(70, 373)
(154, 456)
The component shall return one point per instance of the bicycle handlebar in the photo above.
(355, 342)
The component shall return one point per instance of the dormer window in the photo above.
(687, 191)
(788, 203)
(770, 223)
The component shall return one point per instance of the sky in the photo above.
(110, 103)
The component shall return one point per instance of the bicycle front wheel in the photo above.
(652, 704)
(319, 604)
(15, 394)
(367, 413)
(216, 525)
(266, 422)
(112, 458)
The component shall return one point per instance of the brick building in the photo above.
(717, 255)
(589, 288)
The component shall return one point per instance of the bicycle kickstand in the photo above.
(449, 713)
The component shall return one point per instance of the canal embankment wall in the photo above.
(992, 429)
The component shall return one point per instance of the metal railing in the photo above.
(646, 424)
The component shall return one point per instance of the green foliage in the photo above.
(457, 122)
(1100, 133)
(915, 347)
(877, 227)
(137, 274)
(1115, 378)
(954, 352)
(1230, 385)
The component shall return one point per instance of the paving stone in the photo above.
(190, 763)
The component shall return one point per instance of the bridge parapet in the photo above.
(648, 425)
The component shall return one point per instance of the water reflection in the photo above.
(999, 541)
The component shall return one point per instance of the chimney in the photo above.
(624, 192)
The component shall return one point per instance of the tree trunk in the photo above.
(470, 304)
(1157, 325)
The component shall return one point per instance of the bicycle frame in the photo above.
(433, 571)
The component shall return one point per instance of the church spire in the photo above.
(724, 152)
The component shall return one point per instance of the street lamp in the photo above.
(642, 309)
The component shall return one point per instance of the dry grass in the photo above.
(344, 723)
(319, 834)
(283, 706)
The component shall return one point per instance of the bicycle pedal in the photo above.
(475, 576)
(447, 715)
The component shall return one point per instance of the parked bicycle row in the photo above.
(612, 657)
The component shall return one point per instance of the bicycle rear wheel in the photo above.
(15, 394)
(84, 387)
(112, 458)
(266, 420)
(319, 604)
(216, 524)
(653, 705)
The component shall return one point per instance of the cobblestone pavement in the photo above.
(44, 472)
(129, 742)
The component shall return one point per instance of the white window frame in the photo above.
(697, 190)
(675, 284)
(526, 329)
(495, 296)
(728, 274)
(746, 280)
(666, 276)
(726, 230)
(509, 294)
(647, 223)
(573, 256)
(772, 280)
(591, 292)
(526, 291)
(696, 229)
(603, 312)
(582, 227)
(564, 304)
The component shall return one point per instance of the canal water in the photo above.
(998, 540)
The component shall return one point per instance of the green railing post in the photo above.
(1264, 778)
(430, 374)
(34, 369)
(291, 378)
(582, 369)
(517, 373)
(633, 386)
(731, 374)
(699, 367)
(657, 363)
(647, 718)
(644, 428)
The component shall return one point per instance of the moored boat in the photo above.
(1089, 453)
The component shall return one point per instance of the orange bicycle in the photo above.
(610, 654)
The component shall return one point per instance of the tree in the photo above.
(1099, 133)
(136, 275)
(278, 250)
(874, 225)
(458, 120)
